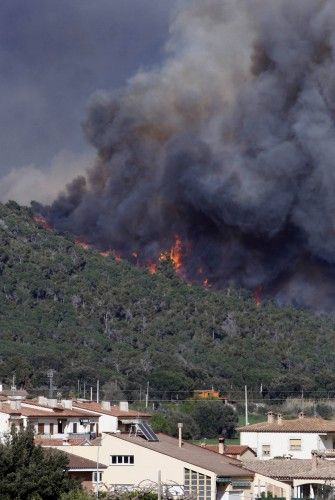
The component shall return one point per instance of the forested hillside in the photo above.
(88, 316)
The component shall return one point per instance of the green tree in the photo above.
(29, 472)
(214, 418)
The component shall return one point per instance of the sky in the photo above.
(53, 56)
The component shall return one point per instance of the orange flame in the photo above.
(105, 253)
(82, 244)
(42, 221)
(205, 282)
(176, 254)
(152, 267)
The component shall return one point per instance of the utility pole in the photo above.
(246, 404)
(50, 374)
(84, 389)
(147, 396)
(78, 388)
(91, 393)
(98, 388)
(159, 492)
(13, 388)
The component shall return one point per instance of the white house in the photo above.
(54, 420)
(113, 417)
(308, 478)
(295, 438)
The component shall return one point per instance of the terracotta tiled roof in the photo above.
(310, 424)
(51, 442)
(78, 463)
(229, 449)
(38, 411)
(114, 411)
(293, 469)
(192, 454)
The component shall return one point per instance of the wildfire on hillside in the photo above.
(82, 244)
(42, 221)
(176, 255)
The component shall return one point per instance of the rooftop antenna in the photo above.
(13, 388)
(50, 374)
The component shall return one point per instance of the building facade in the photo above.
(295, 438)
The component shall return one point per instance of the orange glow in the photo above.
(116, 256)
(152, 267)
(258, 295)
(135, 255)
(42, 221)
(176, 254)
(205, 282)
(82, 244)
(106, 253)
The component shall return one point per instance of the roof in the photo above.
(190, 453)
(114, 411)
(293, 468)
(38, 411)
(306, 424)
(229, 449)
(78, 463)
(51, 442)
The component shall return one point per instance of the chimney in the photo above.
(271, 417)
(14, 404)
(66, 440)
(279, 419)
(315, 459)
(67, 403)
(301, 415)
(105, 405)
(124, 406)
(180, 436)
(221, 444)
(1, 388)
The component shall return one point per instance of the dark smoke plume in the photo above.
(230, 145)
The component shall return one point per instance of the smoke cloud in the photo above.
(230, 145)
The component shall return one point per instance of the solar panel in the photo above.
(147, 432)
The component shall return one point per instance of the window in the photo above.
(40, 428)
(97, 477)
(295, 444)
(197, 484)
(74, 427)
(266, 450)
(122, 459)
(51, 428)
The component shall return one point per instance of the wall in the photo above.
(147, 463)
(279, 442)
(264, 484)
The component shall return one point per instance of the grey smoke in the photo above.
(229, 144)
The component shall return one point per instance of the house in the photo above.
(85, 471)
(209, 394)
(307, 478)
(237, 451)
(54, 420)
(113, 417)
(159, 461)
(296, 438)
